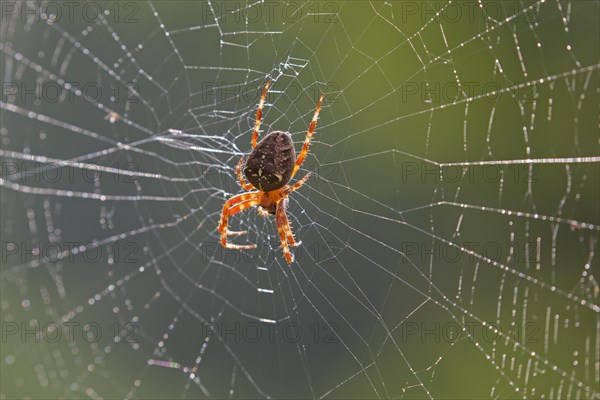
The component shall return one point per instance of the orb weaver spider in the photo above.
(270, 166)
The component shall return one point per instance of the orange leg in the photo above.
(232, 206)
(263, 212)
(259, 114)
(234, 210)
(240, 198)
(281, 215)
(296, 185)
(238, 171)
(282, 228)
(308, 138)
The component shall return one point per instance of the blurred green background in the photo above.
(403, 247)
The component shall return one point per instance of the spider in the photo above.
(270, 166)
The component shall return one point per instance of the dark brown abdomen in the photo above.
(269, 166)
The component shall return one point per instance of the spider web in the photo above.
(449, 229)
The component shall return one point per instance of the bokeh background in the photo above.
(449, 230)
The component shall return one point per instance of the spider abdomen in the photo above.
(269, 166)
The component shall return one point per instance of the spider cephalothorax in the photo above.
(270, 166)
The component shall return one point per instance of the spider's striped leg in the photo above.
(239, 198)
(236, 233)
(231, 207)
(263, 212)
(296, 185)
(259, 114)
(282, 216)
(282, 227)
(238, 171)
(234, 210)
(308, 138)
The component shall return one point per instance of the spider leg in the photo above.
(308, 138)
(259, 114)
(263, 212)
(240, 198)
(238, 171)
(282, 225)
(232, 206)
(234, 210)
(236, 233)
(282, 216)
(296, 185)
